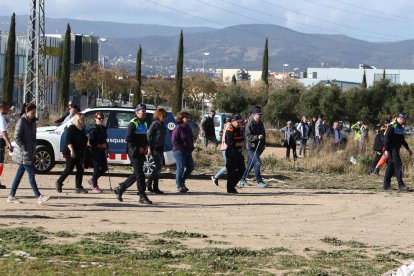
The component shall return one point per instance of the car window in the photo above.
(217, 121)
(90, 118)
(120, 119)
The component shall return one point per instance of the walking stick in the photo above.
(246, 173)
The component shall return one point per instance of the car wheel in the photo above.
(43, 160)
(149, 165)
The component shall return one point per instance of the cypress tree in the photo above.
(364, 80)
(265, 65)
(8, 76)
(383, 75)
(64, 84)
(137, 92)
(178, 93)
(234, 80)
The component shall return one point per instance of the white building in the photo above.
(350, 77)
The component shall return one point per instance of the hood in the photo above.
(46, 128)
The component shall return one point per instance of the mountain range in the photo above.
(238, 46)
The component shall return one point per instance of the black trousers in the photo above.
(100, 165)
(292, 145)
(394, 167)
(235, 168)
(138, 175)
(71, 163)
(158, 156)
(374, 161)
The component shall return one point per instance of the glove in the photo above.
(261, 137)
(386, 153)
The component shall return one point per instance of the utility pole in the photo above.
(34, 78)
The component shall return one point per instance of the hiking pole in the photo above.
(109, 177)
(246, 173)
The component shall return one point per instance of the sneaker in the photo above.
(2, 186)
(404, 188)
(375, 172)
(96, 190)
(181, 190)
(143, 199)
(58, 187)
(261, 184)
(232, 191)
(118, 193)
(215, 180)
(243, 183)
(42, 199)
(81, 191)
(185, 188)
(13, 199)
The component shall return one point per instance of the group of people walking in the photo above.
(144, 138)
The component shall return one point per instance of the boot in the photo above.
(143, 199)
(119, 191)
(149, 186)
(156, 189)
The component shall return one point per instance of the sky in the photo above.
(371, 20)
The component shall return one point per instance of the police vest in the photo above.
(139, 127)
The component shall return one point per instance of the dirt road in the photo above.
(256, 218)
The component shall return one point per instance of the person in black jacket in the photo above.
(234, 156)
(99, 151)
(393, 139)
(208, 132)
(61, 119)
(76, 142)
(378, 147)
(255, 143)
(156, 139)
(137, 148)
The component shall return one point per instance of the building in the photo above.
(352, 77)
(84, 48)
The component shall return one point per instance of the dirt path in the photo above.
(256, 218)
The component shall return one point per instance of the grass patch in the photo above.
(172, 234)
(65, 234)
(336, 242)
(115, 236)
(216, 242)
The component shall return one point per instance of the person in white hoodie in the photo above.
(304, 130)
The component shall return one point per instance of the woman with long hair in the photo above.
(74, 150)
(183, 146)
(24, 152)
(99, 149)
(156, 139)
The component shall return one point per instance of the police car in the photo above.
(51, 140)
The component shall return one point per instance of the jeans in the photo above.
(253, 163)
(19, 174)
(157, 155)
(302, 147)
(223, 170)
(137, 164)
(100, 165)
(70, 165)
(185, 165)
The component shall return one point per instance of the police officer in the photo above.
(137, 148)
(393, 139)
(234, 157)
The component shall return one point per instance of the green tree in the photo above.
(283, 105)
(197, 89)
(64, 83)
(8, 76)
(233, 80)
(265, 64)
(364, 80)
(384, 75)
(231, 99)
(309, 102)
(331, 104)
(137, 91)
(176, 99)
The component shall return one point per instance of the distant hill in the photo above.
(238, 46)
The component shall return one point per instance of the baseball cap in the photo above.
(237, 118)
(257, 111)
(140, 106)
(403, 115)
